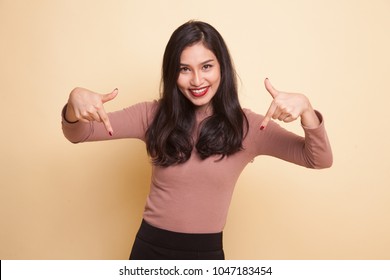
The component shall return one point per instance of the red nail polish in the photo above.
(110, 133)
(262, 127)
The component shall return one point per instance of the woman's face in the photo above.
(199, 76)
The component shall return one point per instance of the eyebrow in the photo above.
(204, 62)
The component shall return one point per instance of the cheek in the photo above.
(217, 80)
(217, 76)
(181, 83)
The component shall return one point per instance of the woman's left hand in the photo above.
(288, 107)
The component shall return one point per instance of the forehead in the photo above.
(196, 54)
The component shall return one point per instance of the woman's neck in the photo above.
(205, 110)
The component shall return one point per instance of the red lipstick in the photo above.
(199, 92)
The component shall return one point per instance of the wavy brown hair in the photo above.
(169, 137)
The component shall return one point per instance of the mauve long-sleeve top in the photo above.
(194, 197)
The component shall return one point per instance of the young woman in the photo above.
(199, 140)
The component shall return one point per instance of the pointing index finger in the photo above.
(102, 113)
(106, 121)
(272, 107)
(268, 116)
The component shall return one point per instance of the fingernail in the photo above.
(110, 133)
(115, 89)
(262, 127)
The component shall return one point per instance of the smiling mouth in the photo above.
(199, 92)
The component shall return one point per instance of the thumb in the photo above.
(109, 96)
(270, 88)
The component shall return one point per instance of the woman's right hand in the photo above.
(86, 106)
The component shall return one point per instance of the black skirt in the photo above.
(152, 243)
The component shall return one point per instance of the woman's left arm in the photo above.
(311, 151)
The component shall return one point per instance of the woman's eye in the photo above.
(207, 66)
(184, 69)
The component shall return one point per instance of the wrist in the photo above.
(309, 117)
(67, 115)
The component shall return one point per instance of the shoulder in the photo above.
(252, 117)
(138, 113)
(147, 108)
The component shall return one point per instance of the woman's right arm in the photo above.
(84, 118)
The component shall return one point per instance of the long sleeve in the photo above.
(312, 151)
(131, 122)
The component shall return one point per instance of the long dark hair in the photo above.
(169, 138)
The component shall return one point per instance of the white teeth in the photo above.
(199, 91)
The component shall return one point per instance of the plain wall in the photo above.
(85, 201)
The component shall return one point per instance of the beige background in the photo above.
(64, 201)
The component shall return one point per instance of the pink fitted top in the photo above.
(194, 197)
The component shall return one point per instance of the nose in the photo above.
(197, 79)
